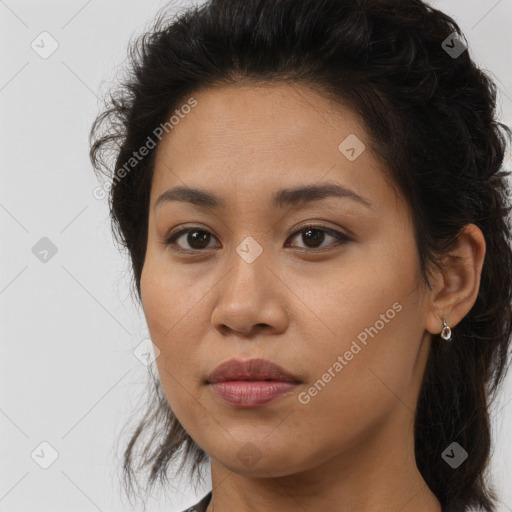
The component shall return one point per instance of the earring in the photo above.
(446, 332)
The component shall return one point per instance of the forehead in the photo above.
(244, 118)
(262, 137)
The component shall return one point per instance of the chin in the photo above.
(254, 461)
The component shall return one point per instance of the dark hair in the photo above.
(431, 118)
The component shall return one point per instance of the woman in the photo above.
(311, 195)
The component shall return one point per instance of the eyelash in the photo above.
(341, 239)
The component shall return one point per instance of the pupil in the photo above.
(318, 236)
(196, 239)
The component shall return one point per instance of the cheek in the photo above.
(169, 297)
(165, 306)
(174, 326)
(367, 312)
(358, 373)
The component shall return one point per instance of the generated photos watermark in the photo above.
(101, 191)
(342, 360)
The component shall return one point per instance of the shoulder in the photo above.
(201, 505)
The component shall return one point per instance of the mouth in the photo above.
(251, 383)
(251, 393)
(252, 369)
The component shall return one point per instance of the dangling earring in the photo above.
(446, 332)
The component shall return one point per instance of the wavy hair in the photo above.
(431, 117)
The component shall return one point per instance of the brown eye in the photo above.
(313, 236)
(196, 239)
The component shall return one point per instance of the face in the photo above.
(327, 287)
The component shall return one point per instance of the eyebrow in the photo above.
(289, 197)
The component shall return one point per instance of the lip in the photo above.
(250, 393)
(252, 369)
(252, 383)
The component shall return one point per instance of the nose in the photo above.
(251, 299)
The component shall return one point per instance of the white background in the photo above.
(68, 327)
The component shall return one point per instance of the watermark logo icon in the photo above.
(351, 147)
(249, 454)
(44, 455)
(45, 45)
(453, 45)
(249, 249)
(146, 352)
(44, 250)
(454, 455)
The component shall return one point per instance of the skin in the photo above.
(298, 309)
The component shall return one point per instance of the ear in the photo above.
(455, 287)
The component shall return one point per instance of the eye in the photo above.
(314, 235)
(196, 238)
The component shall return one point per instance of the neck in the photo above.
(378, 473)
